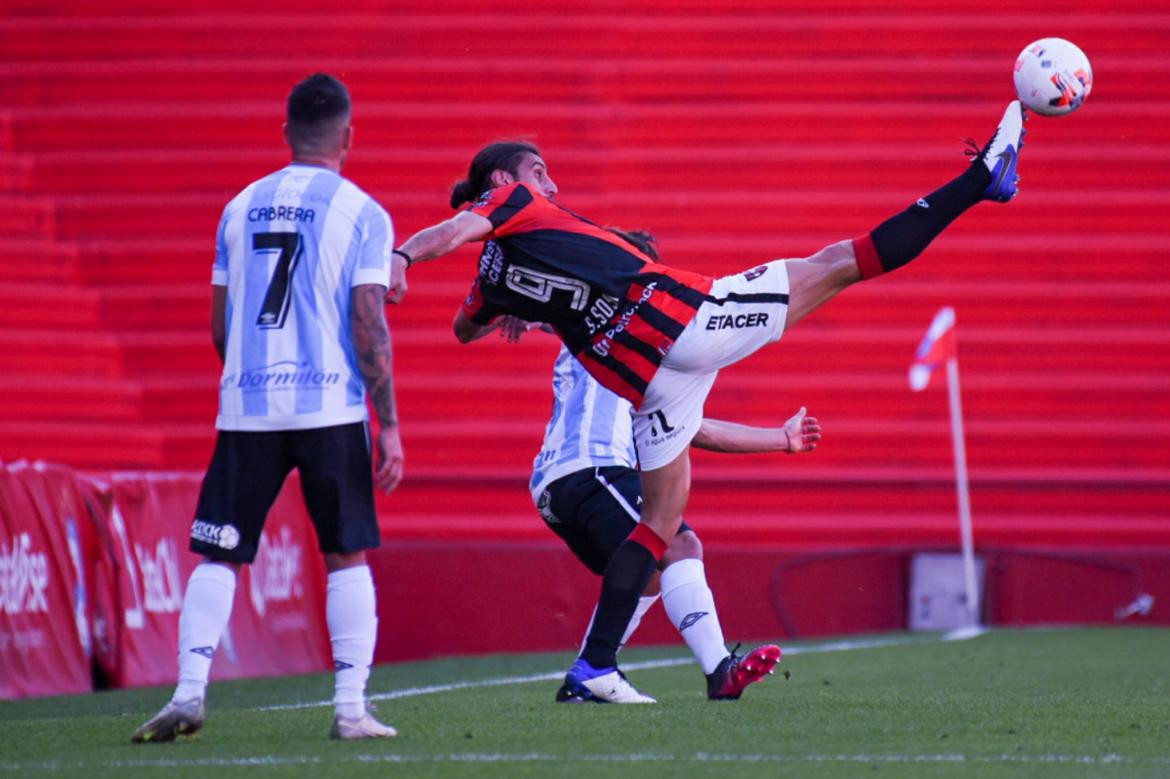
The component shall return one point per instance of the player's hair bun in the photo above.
(462, 193)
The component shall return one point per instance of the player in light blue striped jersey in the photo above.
(301, 238)
(586, 485)
(303, 261)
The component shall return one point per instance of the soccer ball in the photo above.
(1053, 77)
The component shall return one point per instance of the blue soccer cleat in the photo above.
(1001, 155)
(586, 684)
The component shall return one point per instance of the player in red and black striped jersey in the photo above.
(659, 336)
(616, 310)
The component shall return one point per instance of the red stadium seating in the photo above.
(737, 132)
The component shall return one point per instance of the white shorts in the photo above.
(742, 313)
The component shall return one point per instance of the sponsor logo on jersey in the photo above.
(24, 577)
(737, 321)
(544, 506)
(601, 348)
(223, 536)
(491, 262)
(285, 374)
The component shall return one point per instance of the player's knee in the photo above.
(836, 263)
(684, 546)
(815, 280)
(336, 561)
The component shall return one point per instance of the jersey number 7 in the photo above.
(276, 300)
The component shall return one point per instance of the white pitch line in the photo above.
(635, 757)
(832, 646)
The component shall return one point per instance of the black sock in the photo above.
(904, 236)
(625, 579)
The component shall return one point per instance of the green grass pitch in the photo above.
(1012, 703)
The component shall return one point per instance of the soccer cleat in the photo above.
(575, 692)
(586, 684)
(365, 726)
(734, 673)
(1001, 155)
(177, 718)
(613, 687)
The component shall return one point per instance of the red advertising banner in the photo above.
(278, 619)
(44, 625)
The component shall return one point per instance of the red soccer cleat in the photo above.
(734, 673)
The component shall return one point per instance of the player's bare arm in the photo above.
(371, 340)
(799, 434)
(467, 331)
(446, 237)
(511, 328)
(432, 242)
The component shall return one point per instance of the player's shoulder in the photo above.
(363, 202)
(246, 195)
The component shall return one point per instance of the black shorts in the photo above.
(593, 510)
(248, 469)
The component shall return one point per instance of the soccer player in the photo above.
(303, 262)
(586, 487)
(657, 335)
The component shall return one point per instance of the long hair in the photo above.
(501, 155)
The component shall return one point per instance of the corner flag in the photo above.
(937, 347)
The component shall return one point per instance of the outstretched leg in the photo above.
(815, 280)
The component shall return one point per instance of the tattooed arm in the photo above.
(371, 341)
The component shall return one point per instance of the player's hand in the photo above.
(397, 290)
(803, 432)
(513, 328)
(388, 459)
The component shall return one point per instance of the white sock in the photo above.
(207, 606)
(691, 608)
(351, 613)
(644, 604)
